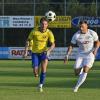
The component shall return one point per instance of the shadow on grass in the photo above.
(56, 74)
(18, 84)
(91, 84)
(51, 73)
(68, 83)
(16, 73)
(60, 84)
(50, 84)
(60, 74)
(65, 83)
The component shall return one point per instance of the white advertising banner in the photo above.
(16, 21)
(60, 52)
(57, 53)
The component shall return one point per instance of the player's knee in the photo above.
(86, 69)
(35, 72)
(44, 66)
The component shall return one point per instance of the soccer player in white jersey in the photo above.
(88, 44)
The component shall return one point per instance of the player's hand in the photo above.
(94, 52)
(48, 53)
(66, 58)
(25, 54)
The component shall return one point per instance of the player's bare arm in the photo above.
(50, 48)
(96, 47)
(69, 50)
(26, 48)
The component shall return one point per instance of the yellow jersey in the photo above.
(40, 40)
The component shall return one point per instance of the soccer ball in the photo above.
(50, 15)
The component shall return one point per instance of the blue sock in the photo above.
(42, 77)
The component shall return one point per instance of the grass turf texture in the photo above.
(17, 82)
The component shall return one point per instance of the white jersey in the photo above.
(85, 42)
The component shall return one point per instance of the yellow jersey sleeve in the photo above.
(51, 37)
(30, 37)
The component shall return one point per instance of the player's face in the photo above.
(44, 25)
(84, 27)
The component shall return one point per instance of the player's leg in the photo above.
(77, 71)
(44, 63)
(43, 72)
(35, 64)
(87, 64)
(82, 78)
(78, 66)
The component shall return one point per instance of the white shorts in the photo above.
(84, 60)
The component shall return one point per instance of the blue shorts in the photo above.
(37, 58)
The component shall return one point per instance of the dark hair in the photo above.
(83, 22)
(43, 19)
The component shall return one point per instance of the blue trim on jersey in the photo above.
(37, 58)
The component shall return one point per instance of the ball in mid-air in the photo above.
(50, 15)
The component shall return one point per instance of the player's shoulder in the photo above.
(35, 30)
(77, 34)
(49, 31)
(91, 31)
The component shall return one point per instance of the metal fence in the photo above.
(14, 37)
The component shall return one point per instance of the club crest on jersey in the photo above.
(44, 37)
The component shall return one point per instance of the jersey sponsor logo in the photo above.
(44, 37)
(83, 42)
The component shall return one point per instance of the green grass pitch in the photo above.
(17, 82)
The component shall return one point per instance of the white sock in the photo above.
(40, 85)
(81, 71)
(81, 79)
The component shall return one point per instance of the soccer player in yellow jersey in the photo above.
(40, 52)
